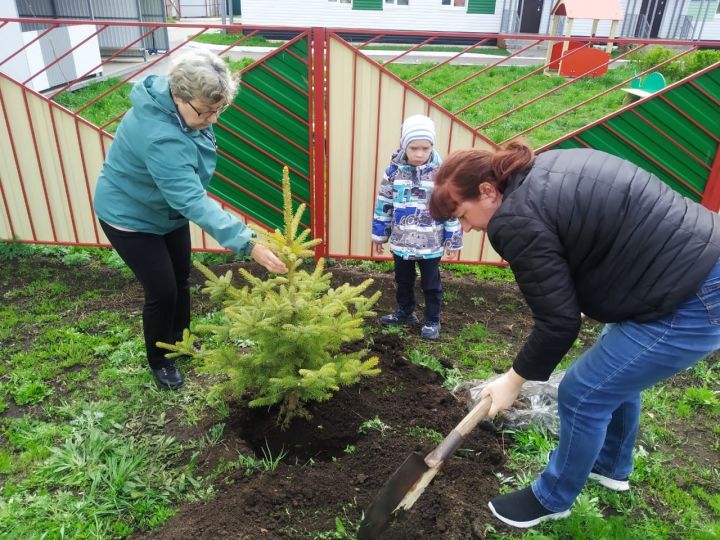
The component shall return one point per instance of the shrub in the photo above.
(295, 324)
(677, 69)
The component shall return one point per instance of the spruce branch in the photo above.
(185, 347)
(290, 247)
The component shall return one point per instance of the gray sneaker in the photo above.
(430, 330)
(399, 317)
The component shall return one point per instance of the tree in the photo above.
(296, 325)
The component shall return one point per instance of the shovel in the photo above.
(414, 475)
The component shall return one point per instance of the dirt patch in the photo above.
(334, 466)
(335, 463)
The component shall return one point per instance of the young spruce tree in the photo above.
(296, 324)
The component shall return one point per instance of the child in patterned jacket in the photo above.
(402, 217)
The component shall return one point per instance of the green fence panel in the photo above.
(686, 114)
(268, 129)
(679, 128)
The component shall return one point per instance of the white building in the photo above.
(89, 43)
(673, 19)
(30, 65)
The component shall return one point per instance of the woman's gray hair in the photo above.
(200, 74)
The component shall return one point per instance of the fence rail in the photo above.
(327, 101)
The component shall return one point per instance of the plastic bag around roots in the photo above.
(536, 404)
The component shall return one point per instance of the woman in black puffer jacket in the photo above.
(587, 232)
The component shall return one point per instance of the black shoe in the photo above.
(522, 509)
(168, 377)
(399, 317)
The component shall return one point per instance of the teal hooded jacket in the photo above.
(156, 172)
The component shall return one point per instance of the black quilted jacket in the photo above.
(588, 232)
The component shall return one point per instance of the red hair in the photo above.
(458, 178)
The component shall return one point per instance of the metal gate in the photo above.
(329, 106)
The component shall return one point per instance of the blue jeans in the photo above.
(599, 396)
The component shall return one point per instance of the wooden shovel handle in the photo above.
(456, 436)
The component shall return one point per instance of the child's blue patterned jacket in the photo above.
(402, 216)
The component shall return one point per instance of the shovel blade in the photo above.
(391, 495)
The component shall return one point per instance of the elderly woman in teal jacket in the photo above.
(153, 183)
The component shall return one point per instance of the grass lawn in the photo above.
(506, 100)
(105, 109)
(469, 100)
(117, 102)
(89, 448)
(217, 38)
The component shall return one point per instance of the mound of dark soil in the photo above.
(332, 464)
(334, 467)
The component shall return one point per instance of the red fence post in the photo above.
(318, 43)
(711, 195)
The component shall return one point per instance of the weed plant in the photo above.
(84, 453)
(105, 109)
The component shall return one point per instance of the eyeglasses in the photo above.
(209, 113)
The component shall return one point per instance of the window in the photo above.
(398, 2)
(455, 3)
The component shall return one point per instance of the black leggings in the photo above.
(162, 265)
